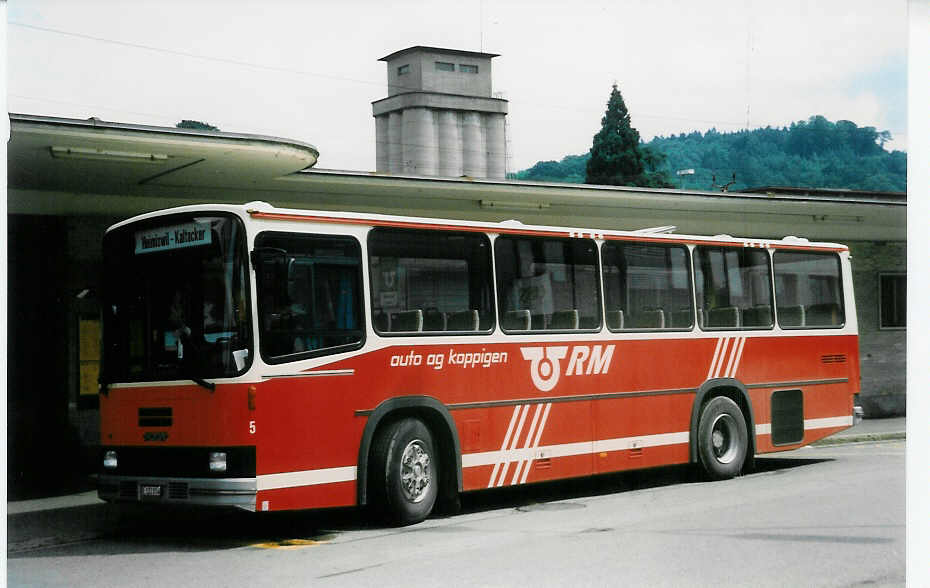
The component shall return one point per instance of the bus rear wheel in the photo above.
(722, 439)
(405, 471)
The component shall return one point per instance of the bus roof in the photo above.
(265, 211)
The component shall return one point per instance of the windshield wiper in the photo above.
(184, 362)
(201, 382)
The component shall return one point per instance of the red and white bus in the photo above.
(277, 359)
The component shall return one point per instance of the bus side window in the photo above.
(552, 281)
(647, 286)
(430, 282)
(318, 310)
(733, 288)
(808, 290)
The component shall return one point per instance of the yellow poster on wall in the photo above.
(89, 355)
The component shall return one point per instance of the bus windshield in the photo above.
(176, 302)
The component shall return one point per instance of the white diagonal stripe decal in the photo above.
(543, 425)
(513, 443)
(529, 439)
(723, 356)
(539, 431)
(739, 356)
(713, 362)
(513, 421)
(732, 356)
(727, 356)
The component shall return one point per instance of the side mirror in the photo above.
(270, 265)
(267, 256)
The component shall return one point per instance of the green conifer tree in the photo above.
(617, 158)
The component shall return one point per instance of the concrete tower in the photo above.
(439, 118)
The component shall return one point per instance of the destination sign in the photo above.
(174, 237)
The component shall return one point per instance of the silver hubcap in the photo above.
(724, 438)
(415, 473)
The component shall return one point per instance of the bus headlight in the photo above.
(109, 460)
(218, 461)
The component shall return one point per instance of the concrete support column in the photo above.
(381, 143)
(496, 146)
(450, 144)
(420, 153)
(474, 161)
(395, 143)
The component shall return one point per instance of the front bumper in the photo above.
(237, 492)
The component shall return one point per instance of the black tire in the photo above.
(405, 472)
(722, 439)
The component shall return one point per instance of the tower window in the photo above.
(444, 66)
(404, 69)
(472, 69)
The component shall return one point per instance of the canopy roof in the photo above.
(91, 167)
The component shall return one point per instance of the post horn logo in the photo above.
(544, 365)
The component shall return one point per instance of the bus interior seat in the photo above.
(381, 321)
(433, 320)
(615, 319)
(723, 316)
(538, 322)
(757, 316)
(791, 316)
(407, 321)
(516, 320)
(682, 318)
(823, 314)
(564, 319)
(647, 318)
(463, 320)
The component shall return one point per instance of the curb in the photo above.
(865, 438)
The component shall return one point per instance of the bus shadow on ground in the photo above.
(562, 490)
(111, 529)
(783, 464)
(133, 529)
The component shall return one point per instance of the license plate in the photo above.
(151, 491)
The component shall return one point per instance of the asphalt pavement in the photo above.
(46, 522)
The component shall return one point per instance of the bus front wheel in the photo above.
(722, 438)
(405, 471)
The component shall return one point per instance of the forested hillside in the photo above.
(815, 153)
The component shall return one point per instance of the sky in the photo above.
(309, 70)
